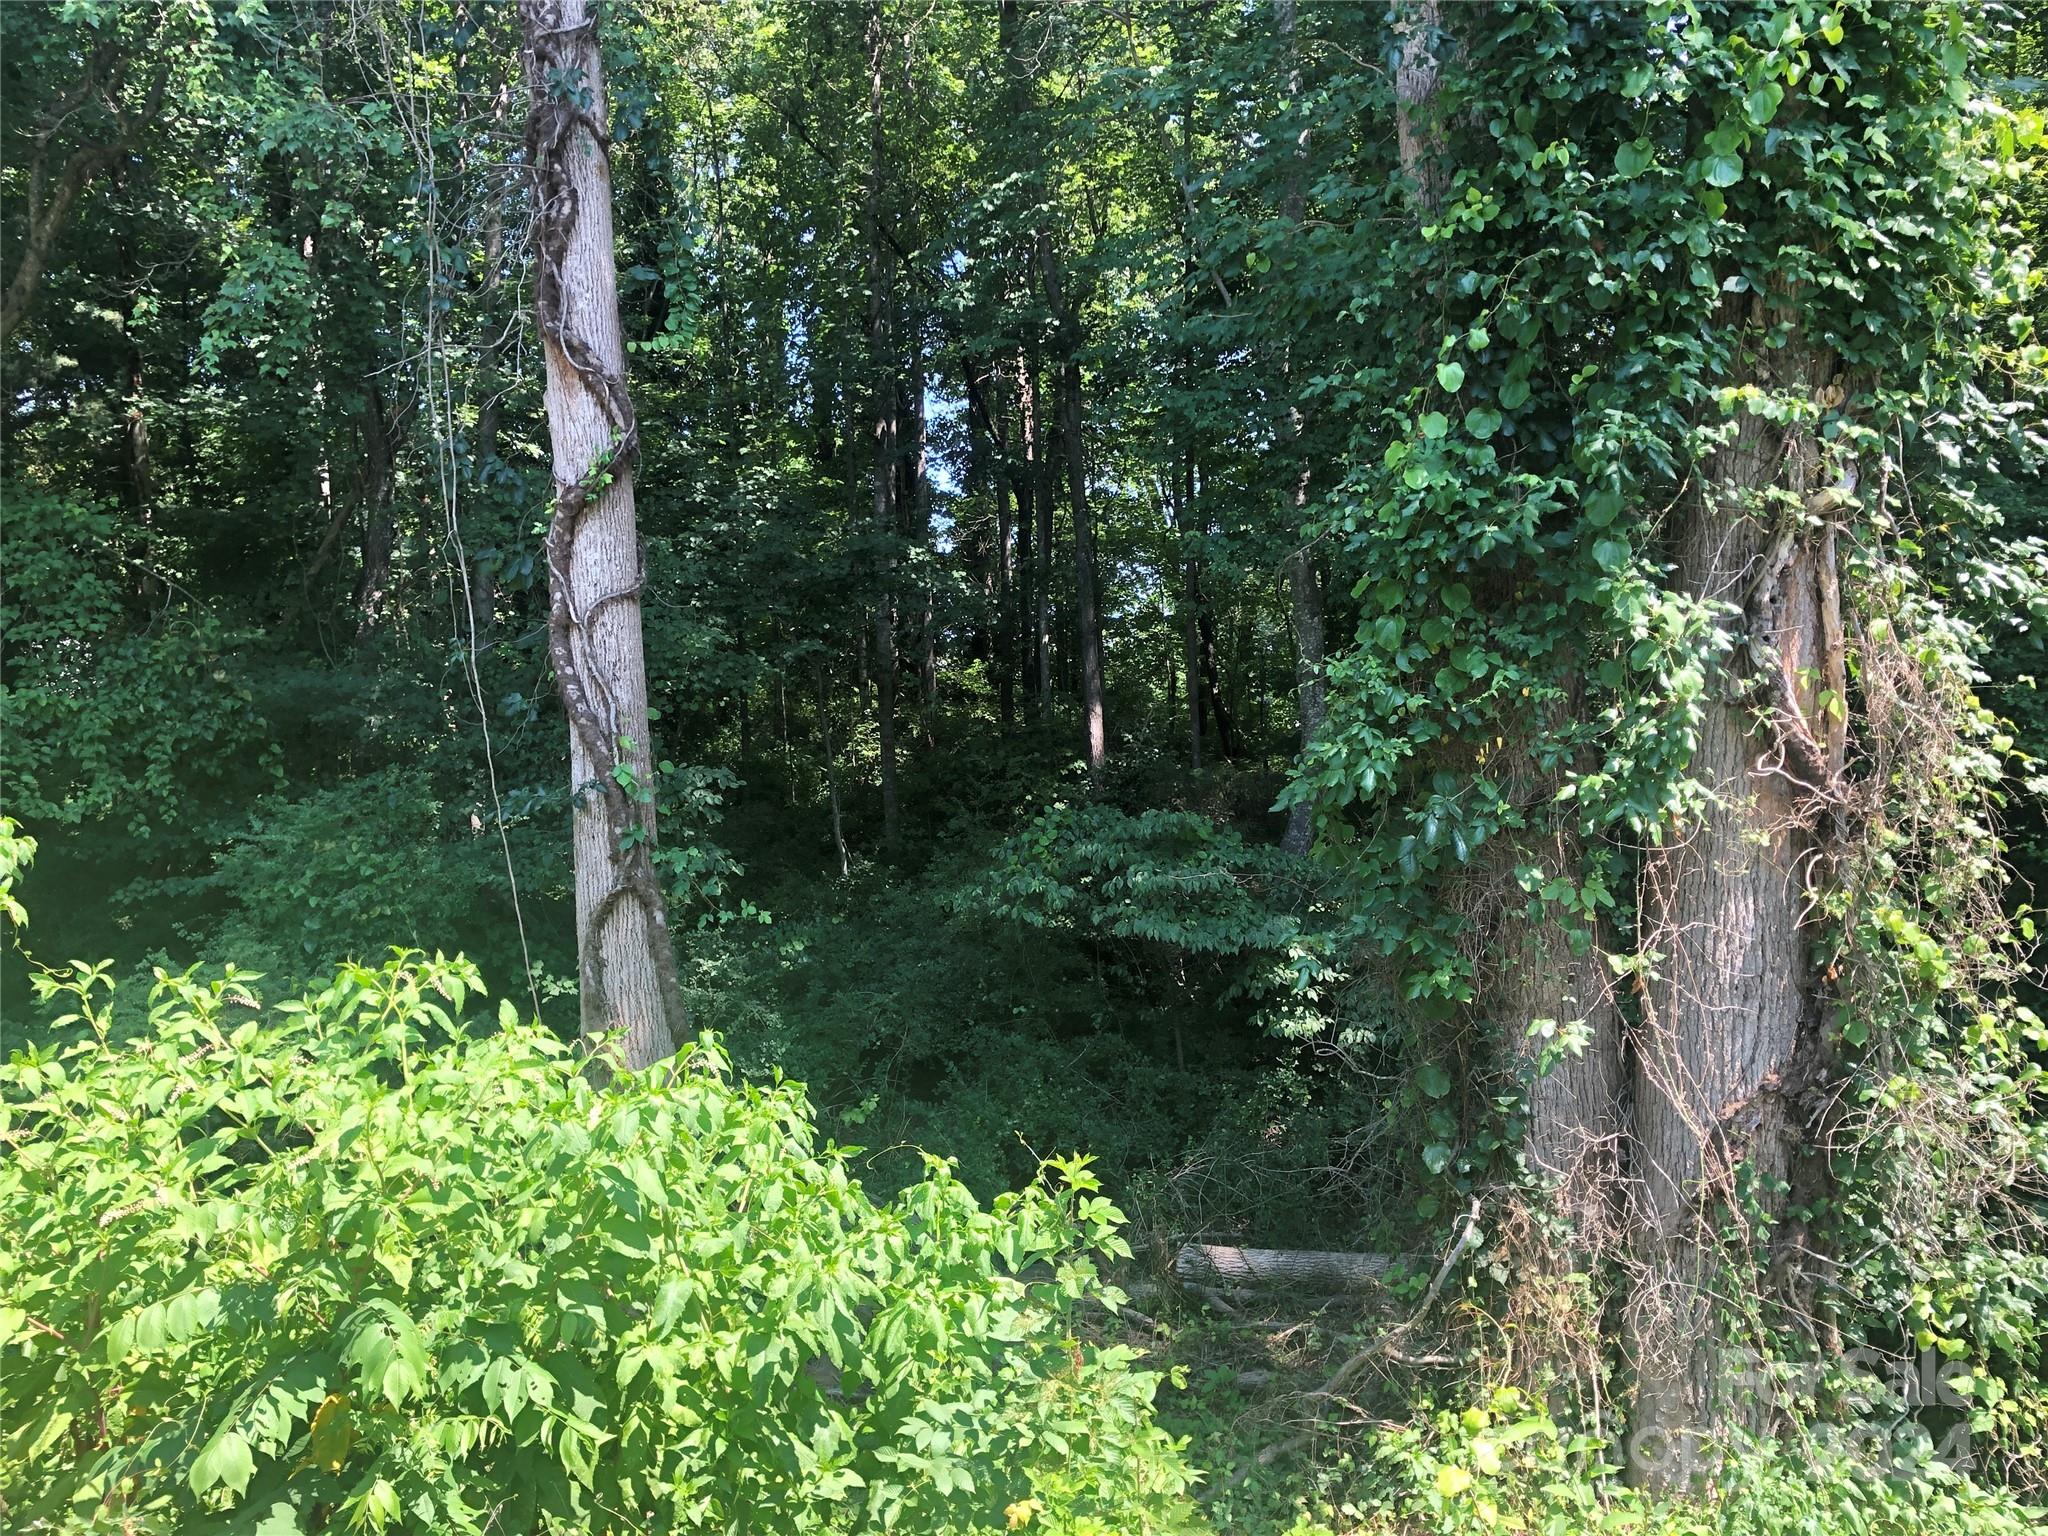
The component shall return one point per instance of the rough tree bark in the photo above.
(628, 973)
(1419, 25)
(1725, 1065)
(1576, 1124)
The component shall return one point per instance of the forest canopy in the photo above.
(1353, 685)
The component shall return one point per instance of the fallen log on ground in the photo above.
(1291, 1269)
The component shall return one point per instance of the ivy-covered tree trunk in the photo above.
(1546, 988)
(1730, 1028)
(1551, 991)
(628, 974)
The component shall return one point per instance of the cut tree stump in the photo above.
(1289, 1269)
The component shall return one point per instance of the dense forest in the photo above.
(1102, 766)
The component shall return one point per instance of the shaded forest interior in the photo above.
(1414, 625)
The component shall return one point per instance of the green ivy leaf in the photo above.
(1451, 376)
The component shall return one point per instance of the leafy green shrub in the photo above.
(1184, 882)
(1504, 1465)
(311, 878)
(117, 700)
(353, 1263)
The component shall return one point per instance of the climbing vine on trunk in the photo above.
(598, 669)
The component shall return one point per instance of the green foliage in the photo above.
(1498, 1462)
(16, 854)
(281, 330)
(353, 1259)
(1502, 1464)
(1179, 880)
(121, 698)
(355, 865)
(916, 1017)
(1515, 624)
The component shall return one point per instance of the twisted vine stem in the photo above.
(555, 117)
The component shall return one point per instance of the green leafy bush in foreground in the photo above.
(351, 1263)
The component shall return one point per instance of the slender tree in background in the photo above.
(885, 415)
(628, 971)
(1304, 585)
(1087, 595)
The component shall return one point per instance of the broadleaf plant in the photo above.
(358, 1262)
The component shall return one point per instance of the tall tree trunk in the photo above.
(380, 515)
(134, 411)
(1037, 472)
(134, 447)
(1087, 603)
(989, 452)
(1212, 680)
(1419, 25)
(885, 430)
(1024, 486)
(1021, 93)
(1087, 609)
(1006, 583)
(1576, 1121)
(1576, 1114)
(919, 466)
(1731, 1025)
(1304, 589)
(1180, 499)
(628, 973)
